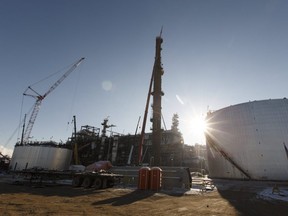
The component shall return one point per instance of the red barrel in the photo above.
(143, 178)
(155, 178)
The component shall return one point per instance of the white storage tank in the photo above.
(40, 156)
(249, 141)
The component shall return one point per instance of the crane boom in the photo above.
(63, 77)
(32, 120)
(39, 99)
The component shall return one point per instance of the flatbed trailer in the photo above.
(98, 180)
(38, 175)
(87, 179)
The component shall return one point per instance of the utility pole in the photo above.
(76, 158)
(23, 129)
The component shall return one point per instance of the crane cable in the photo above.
(51, 75)
(19, 125)
(75, 92)
(21, 110)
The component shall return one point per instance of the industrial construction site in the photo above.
(151, 173)
(229, 198)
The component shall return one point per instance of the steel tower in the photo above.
(157, 94)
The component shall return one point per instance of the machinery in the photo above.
(156, 80)
(39, 98)
(96, 176)
(4, 162)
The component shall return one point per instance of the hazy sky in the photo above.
(216, 53)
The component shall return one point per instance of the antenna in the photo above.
(161, 31)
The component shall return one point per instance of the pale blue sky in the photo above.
(216, 53)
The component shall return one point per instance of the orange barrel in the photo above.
(143, 178)
(155, 178)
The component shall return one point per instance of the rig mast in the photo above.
(157, 94)
(156, 81)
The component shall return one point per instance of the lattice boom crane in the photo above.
(39, 98)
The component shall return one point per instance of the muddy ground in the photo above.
(26, 199)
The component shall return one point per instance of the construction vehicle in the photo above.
(99, 178)
(96, 175)
(39, 98)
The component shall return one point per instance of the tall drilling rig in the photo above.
(156, 107)
(156, 80)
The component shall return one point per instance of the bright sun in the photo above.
(199, 124)
(198, 127)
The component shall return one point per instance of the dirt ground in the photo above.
(64, 200)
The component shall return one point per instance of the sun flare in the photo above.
(198, 124)
(197, 127)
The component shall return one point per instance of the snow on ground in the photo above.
(194, 191)
(274, 193)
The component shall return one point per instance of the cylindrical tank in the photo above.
(249, 141)
(40, 156)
